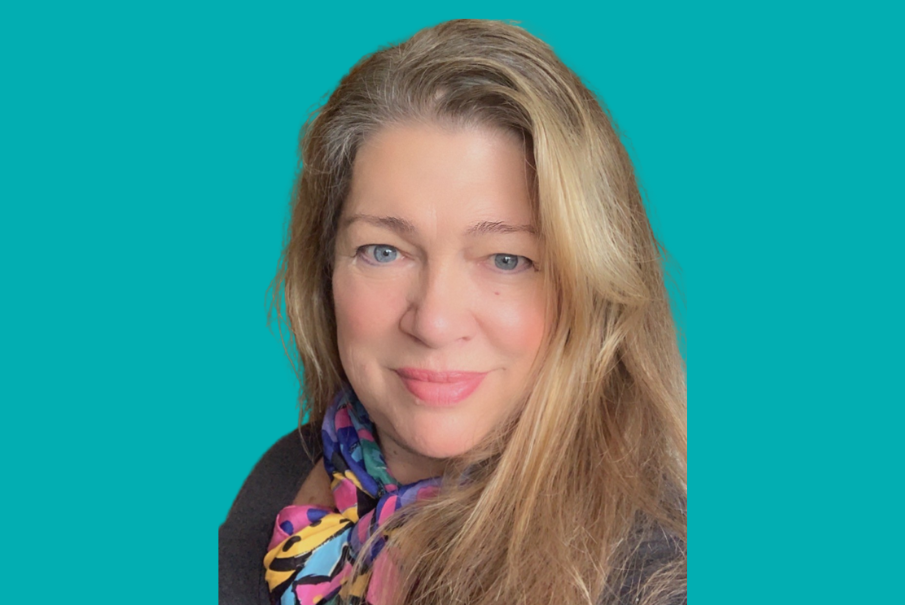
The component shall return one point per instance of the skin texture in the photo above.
(439, 298)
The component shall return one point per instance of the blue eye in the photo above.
(508, 262)
(380, 253)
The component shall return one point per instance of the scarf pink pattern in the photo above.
(313, 549)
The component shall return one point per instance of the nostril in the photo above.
(438, 316)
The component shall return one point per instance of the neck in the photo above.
(405, 465)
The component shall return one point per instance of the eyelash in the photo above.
(360, 252)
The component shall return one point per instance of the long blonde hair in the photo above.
(560, 500)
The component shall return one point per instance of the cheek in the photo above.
(519, 325)
(365, 311)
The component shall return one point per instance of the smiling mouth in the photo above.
(440, 388)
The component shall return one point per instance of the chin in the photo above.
(432, 443)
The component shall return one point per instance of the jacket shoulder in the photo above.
(245, 534)
(658, 555)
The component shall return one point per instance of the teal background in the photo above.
(148, 152)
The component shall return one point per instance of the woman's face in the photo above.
(439, 306)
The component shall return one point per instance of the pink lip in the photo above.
(440, 388)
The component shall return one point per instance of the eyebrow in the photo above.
(404, 227)
(398, 225)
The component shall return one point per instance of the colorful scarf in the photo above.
(313, 549)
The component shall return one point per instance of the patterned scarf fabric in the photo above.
(313, 548)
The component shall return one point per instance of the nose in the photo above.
(439, 311)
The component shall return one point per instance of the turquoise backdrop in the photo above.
(148, 153)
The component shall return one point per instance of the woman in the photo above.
(496, 398)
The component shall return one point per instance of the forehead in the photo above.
(433, 175)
